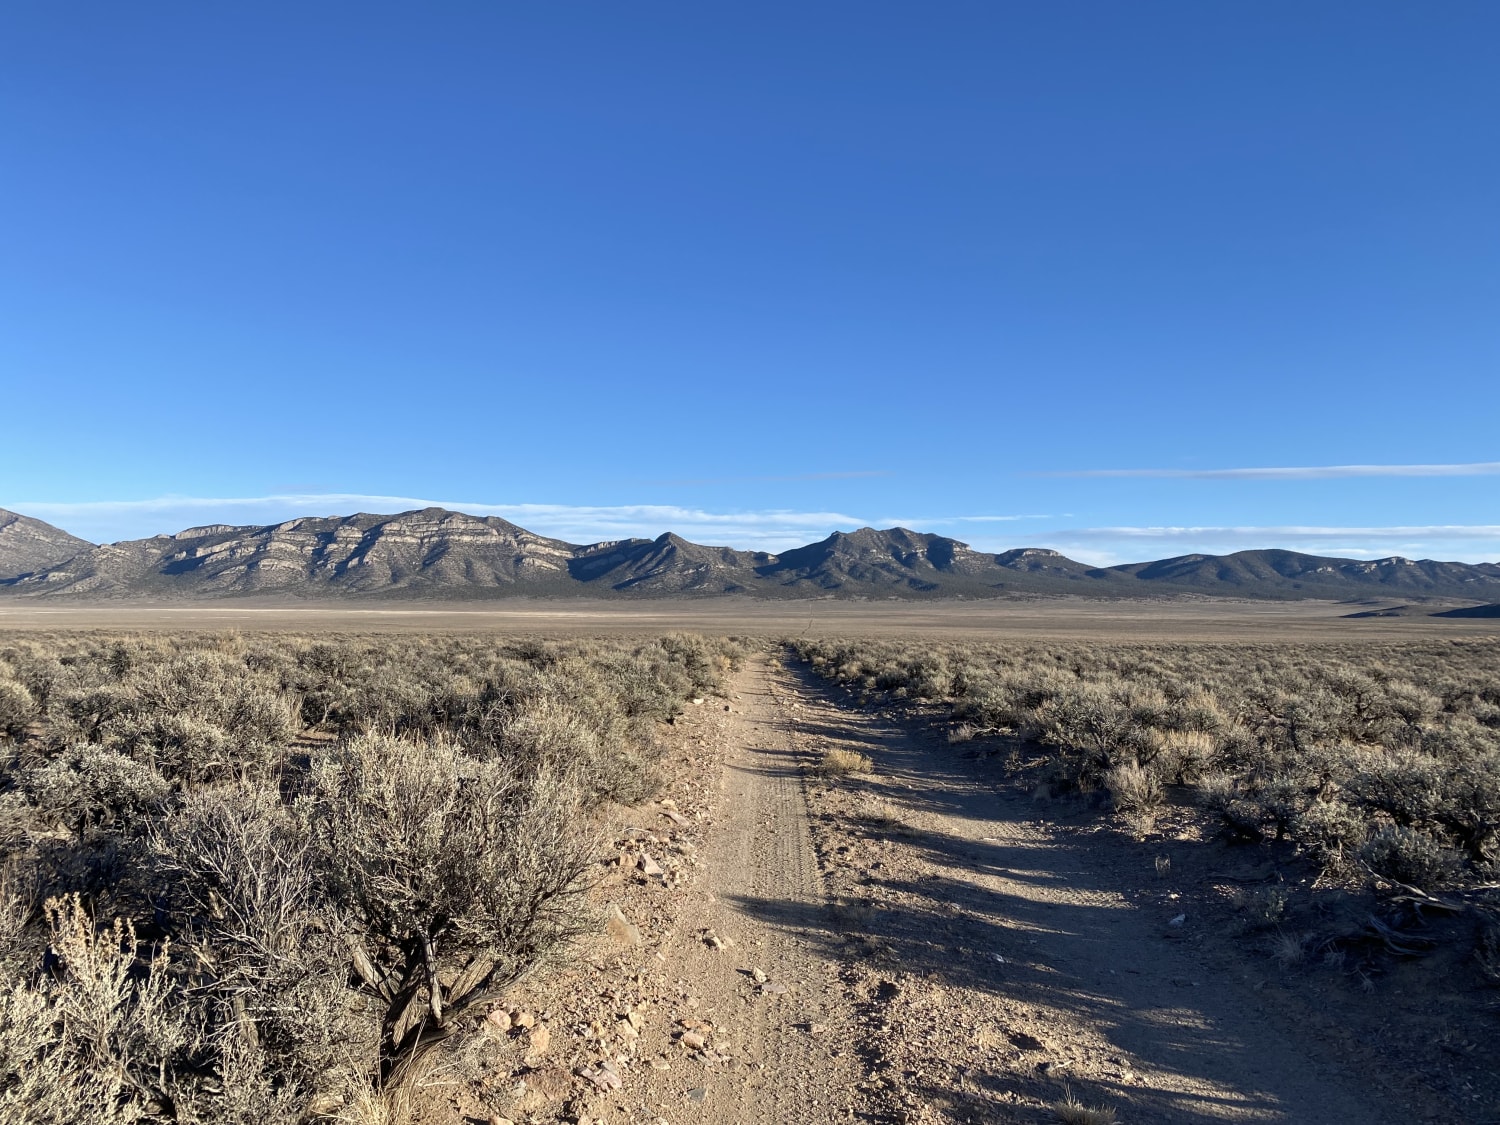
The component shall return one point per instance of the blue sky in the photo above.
(1040, 274)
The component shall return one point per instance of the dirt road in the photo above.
(945, 956)
(914, 944)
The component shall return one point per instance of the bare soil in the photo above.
(926, 944)
(1175, 619)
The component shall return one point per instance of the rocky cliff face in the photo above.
(28, 546)
(426, 550)
(435, 553)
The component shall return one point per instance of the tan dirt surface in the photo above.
(1007, 965)
(932, 950)
(1001, 619)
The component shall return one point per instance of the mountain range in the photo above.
(438, 554)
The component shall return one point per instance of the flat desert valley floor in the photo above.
(1061, 618)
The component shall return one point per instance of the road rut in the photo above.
(947, 955)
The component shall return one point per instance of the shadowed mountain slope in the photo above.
(1492, 610)
(667, 565)
(438, 554)
(898, 562)
(28, 546)
(1290, 574)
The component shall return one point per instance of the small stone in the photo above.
(551, 1083)
(758, 976)
(693, 1041)
(605, 1076)
(539, 1040)
(675, 817)
(523, 1019)
(771, 988)
(816, 1028)
(498, 1021)
(496, 1119)
(649, 866)
(660, 1064)
(1178, 921)
(698, 1093)
(621, 929)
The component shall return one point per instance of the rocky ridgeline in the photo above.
(435, 553)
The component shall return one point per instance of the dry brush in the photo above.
(262, 879)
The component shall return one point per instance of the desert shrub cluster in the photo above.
(259, 879)
(1370, 757)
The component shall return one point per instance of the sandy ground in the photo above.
(913, 945)
(1181, 619)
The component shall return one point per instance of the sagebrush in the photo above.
(258, 879)
(1379, 757)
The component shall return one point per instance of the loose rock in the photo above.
(498, 1021)
(622, 930)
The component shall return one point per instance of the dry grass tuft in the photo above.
(1289, 950)
(1071, 1111)
(878, 813)
(840, 763)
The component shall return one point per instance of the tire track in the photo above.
(763, 895)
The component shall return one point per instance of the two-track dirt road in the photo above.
(932, 952)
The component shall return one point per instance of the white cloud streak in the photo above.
(1298, 472)
(943, 521)
(768, 530)
(1108, 545)
(1291, 531)
(776, 529)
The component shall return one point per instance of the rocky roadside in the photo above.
(570, 1044)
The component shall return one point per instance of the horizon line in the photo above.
(1293, 472)
(779, 530)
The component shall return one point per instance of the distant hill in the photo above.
(1289, 574)
(667, 565)
(28, 546)
(438, 554)
(1492, 610)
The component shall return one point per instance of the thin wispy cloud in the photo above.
(1289, 531)
(1297, 472)
(763, 529)
(775, 529)
(1109, 545)
(942, 521)
(792, 478)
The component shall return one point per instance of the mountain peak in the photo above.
(28, 546)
